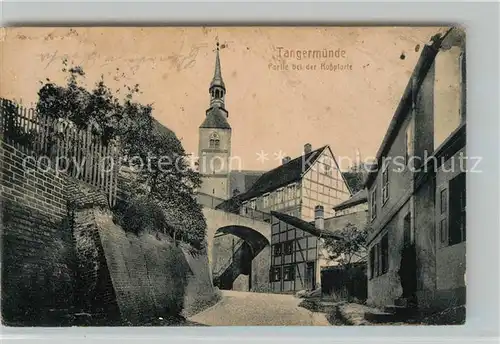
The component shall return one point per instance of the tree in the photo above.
(349, 250)
(161, 179)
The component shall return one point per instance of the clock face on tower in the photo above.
(216, 165)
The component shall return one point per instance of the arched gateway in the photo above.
(248, 253)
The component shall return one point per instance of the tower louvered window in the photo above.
(214, 141)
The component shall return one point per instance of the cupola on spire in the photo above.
(217, 88)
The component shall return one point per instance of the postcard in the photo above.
(220, 176)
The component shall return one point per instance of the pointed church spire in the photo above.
(217, 88)
(217, 80)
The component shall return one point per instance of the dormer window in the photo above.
(214, 141)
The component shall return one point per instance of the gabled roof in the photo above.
(422, 67)
(278, 177)
(283, 175)
(216, 118)
(160, 129)
(305, 226)
(243, 180)
(359, 197)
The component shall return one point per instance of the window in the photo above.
(328, 170)
(384, 254)
(379, 257)
(244, 208)
(275, 274)
(463, 77)
(442, 231)
(271, 199)
(290, 191)
(277, 250)
(372, 262)
(373, 204)
(279, 196)
(265, 200)
(444, 201)
(288, 273)
(288, 247)
(409, 142)
(214, 141)
(385, 184)
(407, 229)
(327, 166)
(457, 210)
(252, 204)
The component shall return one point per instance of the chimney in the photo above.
(285, 160)
(307, 148)
(319, 217)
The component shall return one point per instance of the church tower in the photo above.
(215, 140)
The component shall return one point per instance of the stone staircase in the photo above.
(238, 263)
(400, 311)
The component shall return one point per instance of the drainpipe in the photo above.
(319, 223)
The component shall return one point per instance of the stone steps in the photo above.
(399, 312)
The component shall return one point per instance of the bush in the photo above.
(145, 146)
(31, 288)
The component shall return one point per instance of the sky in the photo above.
(276, 102)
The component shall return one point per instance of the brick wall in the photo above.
(62, 251)
(133, 277)
(149, 273)
(94, 291)
(199, 292)
(32, 184)
(37, 256)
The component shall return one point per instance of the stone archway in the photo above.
(235, 248)
(251, 237)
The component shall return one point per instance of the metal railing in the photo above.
(255, 214)
(245, 211)
(230, 261)
(208, 200)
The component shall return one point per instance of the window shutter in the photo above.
(442, 217)
(463, 86)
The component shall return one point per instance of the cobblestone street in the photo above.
(258, 309)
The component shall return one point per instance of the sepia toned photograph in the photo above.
(233, 176)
